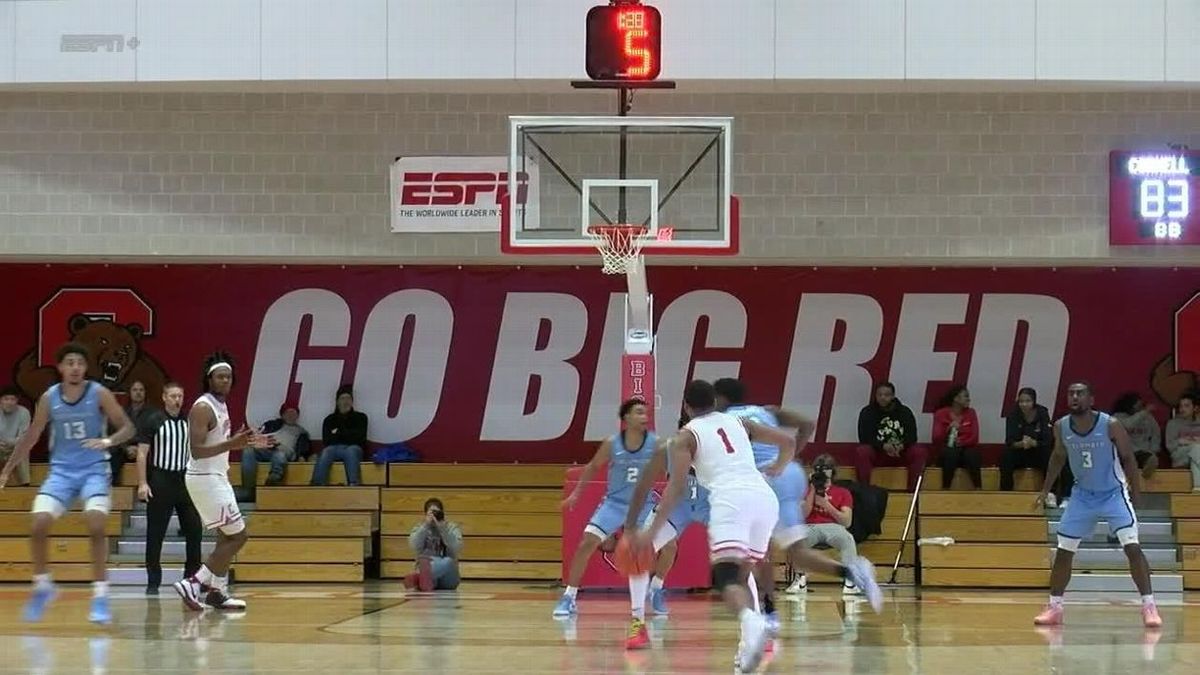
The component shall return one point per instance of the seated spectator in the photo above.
(1183, 437)
(290, 438)
(138, 411)
(14, 421)
(828, 512)
(1144, 433)
(956, 434)
(887, 436)
(436, 543)
(344, 433)
(1028, 441)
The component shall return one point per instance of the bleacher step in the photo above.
(171, 547)
(1150, 531)
(1119, 585)
(137, 522)
(136, 576)
(1113, 557)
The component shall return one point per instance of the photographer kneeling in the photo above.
(828, 511)
(436, 542)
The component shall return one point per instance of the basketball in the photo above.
(630, 562)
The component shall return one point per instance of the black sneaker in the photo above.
(152, 590)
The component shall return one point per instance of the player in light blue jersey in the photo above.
(76, 410)
(1106, 475)
(626, 454)
(692, 509)
(790, 486)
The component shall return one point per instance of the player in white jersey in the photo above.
(208, 485)
(744, 509)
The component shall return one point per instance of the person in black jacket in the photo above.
(1028, 438)
(887, 435)
(344, 434)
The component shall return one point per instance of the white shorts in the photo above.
(741, 522)
(215, 502)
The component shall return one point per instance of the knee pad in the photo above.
(1128, 535)
(726, 573)
(44, 503)
(1068, 543)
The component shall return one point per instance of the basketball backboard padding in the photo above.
(566, 173)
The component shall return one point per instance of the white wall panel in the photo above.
(466, 39)
(7, 35)
(971, 39)
(78, 41)
(199, 39)
(323, 39)
(1100, 39)
(848, 39)
(1183, 32)
(718, 39)
(550, 38)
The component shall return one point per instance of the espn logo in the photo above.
(458, 188)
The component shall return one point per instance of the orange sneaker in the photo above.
(1050, 616)
(1150, 617)
(638, 638)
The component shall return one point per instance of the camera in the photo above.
(438, 514)
(820, 481)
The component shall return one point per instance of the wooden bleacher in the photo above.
(1185, 511)
(297, 474)
(309, 534)
(509, 514)
(1000, 540)
(70, 551)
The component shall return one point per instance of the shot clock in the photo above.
(624, 42)
(1154, 197)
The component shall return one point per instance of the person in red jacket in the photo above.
(956, 433)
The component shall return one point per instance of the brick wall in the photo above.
(941, 177)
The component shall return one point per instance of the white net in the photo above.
(620, 246)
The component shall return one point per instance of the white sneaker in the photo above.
(848, 588)
(1051, 501)
(798, 586)
(754, 643)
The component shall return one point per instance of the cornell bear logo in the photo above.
(116, 360)
(1179, 372)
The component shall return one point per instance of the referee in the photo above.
(163, 452)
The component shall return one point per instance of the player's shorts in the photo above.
(215, 502)
(62, 487)
(789, 488)
(610, 517)
(1086, 507)
(740, 523)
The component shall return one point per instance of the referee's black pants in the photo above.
(169, 495)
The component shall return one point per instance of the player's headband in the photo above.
(219, 364)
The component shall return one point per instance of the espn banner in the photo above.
(457, 194)
(498, 364)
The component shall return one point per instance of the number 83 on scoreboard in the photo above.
(1153, 198)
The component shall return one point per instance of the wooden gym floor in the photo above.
(507, 628)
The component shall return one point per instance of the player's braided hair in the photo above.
(216, 357)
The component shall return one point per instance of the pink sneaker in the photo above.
(1150, 617)
(1050, 616)
(638, 637)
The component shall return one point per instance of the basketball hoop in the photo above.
(620, 246)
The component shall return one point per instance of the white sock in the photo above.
(219, 583)
(42, 581)
(753, 586)
(1147, 599)
(570, 592)
(638, 584)
(656, 584)
(205, 575)
(1056, 601)
(99, 589)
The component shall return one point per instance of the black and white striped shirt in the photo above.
(167, 437)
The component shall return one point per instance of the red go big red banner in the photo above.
(500, 364)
